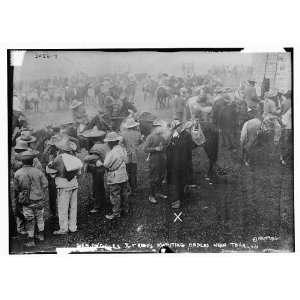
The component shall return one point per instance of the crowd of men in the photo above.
(112, 139)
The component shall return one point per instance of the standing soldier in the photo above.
(115, 164)
(155, 146)
(30, 185)
(67, 187)
(97, 153)
(132, 138)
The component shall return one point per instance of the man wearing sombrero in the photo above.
(97, 153)
(132, 138)
(271, 115)
(155, 146)
(30, 185)
(67, 188)
(115, 164)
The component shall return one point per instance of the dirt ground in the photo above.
(249, 209)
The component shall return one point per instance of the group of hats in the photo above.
(22, 147)
(95, 133)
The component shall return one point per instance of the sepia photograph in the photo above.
(150, 151)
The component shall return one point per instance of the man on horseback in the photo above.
(271, 115)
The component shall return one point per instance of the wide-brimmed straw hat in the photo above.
(28, 154)
(75, 103)
(131, 123)
(93, 133)
(26, 136)
(21, 145)
(112, 137)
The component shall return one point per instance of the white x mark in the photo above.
(177, 217)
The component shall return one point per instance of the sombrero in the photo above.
(131, 123)
(26, 137)
(27, 154)
(112, 137)
(21, 145)
(93, 133)
(75, 103)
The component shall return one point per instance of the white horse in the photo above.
(252, 129)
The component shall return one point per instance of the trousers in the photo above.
(131, 169)
(98, 188)
(34, 215)
(52, 195)
(157, 166)
(118, 197)
(67, 209)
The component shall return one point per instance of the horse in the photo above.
(253, 129)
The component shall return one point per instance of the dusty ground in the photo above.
(249, 209)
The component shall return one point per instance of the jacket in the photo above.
(115, 163)
(32, 179)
